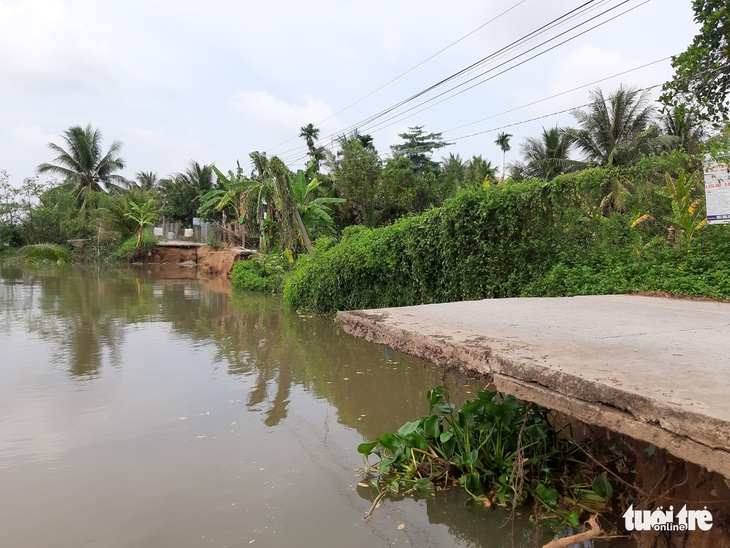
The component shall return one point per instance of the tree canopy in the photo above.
(418, 147)
(617, 129)
(82, 162)
(702, 72)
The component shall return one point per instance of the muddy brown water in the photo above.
(151, 408)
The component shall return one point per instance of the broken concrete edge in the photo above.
(613, 408)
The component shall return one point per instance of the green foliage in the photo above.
(527, 239)
(702, 73)
(314, 209)
(46, 252)
(136, 247)
(405, 190)
(266, 274)
(356, 170)
(119, 209)
(57, 217)
(616, 130)
(418, 147)
(497, 448)
(83, 165)
(687, 215)
(142, 216)
(183, 192)
(547, 156)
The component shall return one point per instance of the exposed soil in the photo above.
(212, 261)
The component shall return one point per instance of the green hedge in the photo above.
(526, 239)
(258, 275)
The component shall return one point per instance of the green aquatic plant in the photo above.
(500, 450)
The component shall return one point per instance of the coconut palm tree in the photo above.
(82, 163)
(146, 179)
(453, 169)
(547, 156)
(618, 129)
(182, 192)
(682, 125)
(502, 141)
(480, 172)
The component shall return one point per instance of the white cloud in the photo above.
(165, 150)
(42, 47)
(32, 135)
(276, 118)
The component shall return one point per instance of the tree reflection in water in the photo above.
(84, 314)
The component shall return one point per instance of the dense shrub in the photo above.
(527, 239)
(129, 251)
(266, 274)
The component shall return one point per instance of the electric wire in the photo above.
(501, 51)
(414, 67)
(381, 124)
(373, 130)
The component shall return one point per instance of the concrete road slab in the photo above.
(654, 368)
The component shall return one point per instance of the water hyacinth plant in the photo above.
(499, 449)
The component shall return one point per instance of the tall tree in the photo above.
(618, 129)
(547, 156)
(230, 194)
(356, 171)
(418, 147)
(453, 170)
(182, 192)
(702, 73)
(83, 164)
(285, 209)
(480, 172)
(146, 179)
(502, 141)
(310, 134)
(683, 125)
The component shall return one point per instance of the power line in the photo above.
(414, 67)
(374, 117)
(491, 130)
(510, 67)
(524, 39)
(559, 94)
(554, 23)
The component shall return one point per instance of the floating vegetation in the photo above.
(500, 450)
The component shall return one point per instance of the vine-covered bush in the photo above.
(577, 234)
(266, 274)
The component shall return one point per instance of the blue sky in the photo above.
(215, 80)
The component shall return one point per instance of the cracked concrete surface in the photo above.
(652, 368)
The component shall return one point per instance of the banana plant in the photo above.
(314, 211)
(143, 216)
(687, 215)
(234, 191)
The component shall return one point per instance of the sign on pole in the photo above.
(717, 190)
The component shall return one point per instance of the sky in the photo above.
(212, 81)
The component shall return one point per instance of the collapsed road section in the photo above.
(654, 369)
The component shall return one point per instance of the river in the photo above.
(152, 408)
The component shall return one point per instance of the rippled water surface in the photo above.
(150, 408)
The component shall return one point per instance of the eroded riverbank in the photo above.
(654, 370)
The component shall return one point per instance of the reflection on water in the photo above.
(151, 408)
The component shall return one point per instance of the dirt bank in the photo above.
(212, 261)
